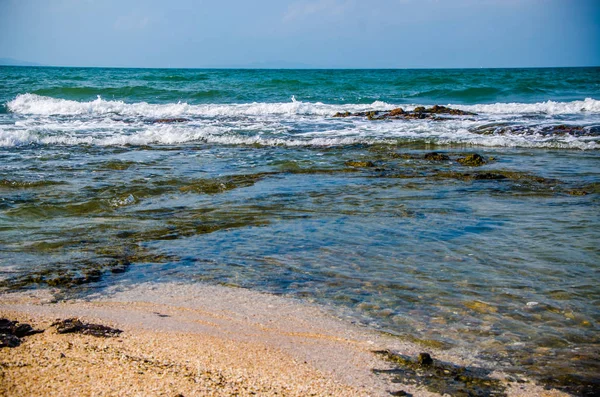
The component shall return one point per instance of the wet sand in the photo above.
(199, 340)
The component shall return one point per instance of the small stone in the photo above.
(424, 359)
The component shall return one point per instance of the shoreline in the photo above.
(196, 339)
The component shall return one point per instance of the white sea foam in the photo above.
(358, 133)
(588, 105)
(41, 105)
(51, 121)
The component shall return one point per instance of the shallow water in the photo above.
(220, 177)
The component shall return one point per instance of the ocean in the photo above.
(245, 178)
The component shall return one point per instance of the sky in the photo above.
(302, 33)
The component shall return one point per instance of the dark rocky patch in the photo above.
(523, 178)
(73, 325)
(11, 332)
(577, 192)
(117, 165)
(419, 112)
(434, 156)
(424, 359)
(360, 164)
(437, 109)
(592, 188)
(222, 184)
(488, 176)
(511, 182)
(70, 275)
(8, 340)
(440, 377)
(472, 160)
(396, 112)
(120, 266)
(342, 114)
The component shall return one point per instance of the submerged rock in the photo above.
(577, 192)
(472, 160)
(120, 266)
(73, 325)
(360, 164)
(434, 156)
(488, 176)
(440, 377)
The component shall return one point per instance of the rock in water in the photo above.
(420, 112)
(424, 359)
(396, 112)
(436, 157)
(472, 160)
(360, 164)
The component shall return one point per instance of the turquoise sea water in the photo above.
(245, 178)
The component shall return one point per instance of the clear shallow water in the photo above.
(220, 176)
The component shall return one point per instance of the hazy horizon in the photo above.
(253, 67)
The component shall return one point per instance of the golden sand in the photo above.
(183, 340)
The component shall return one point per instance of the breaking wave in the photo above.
(42, 105)
(51, 121)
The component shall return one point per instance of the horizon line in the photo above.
(300, 68)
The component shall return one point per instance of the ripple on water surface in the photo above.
(498, 257)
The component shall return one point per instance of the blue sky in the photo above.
(313, 33)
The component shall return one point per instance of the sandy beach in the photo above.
(199, 340)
